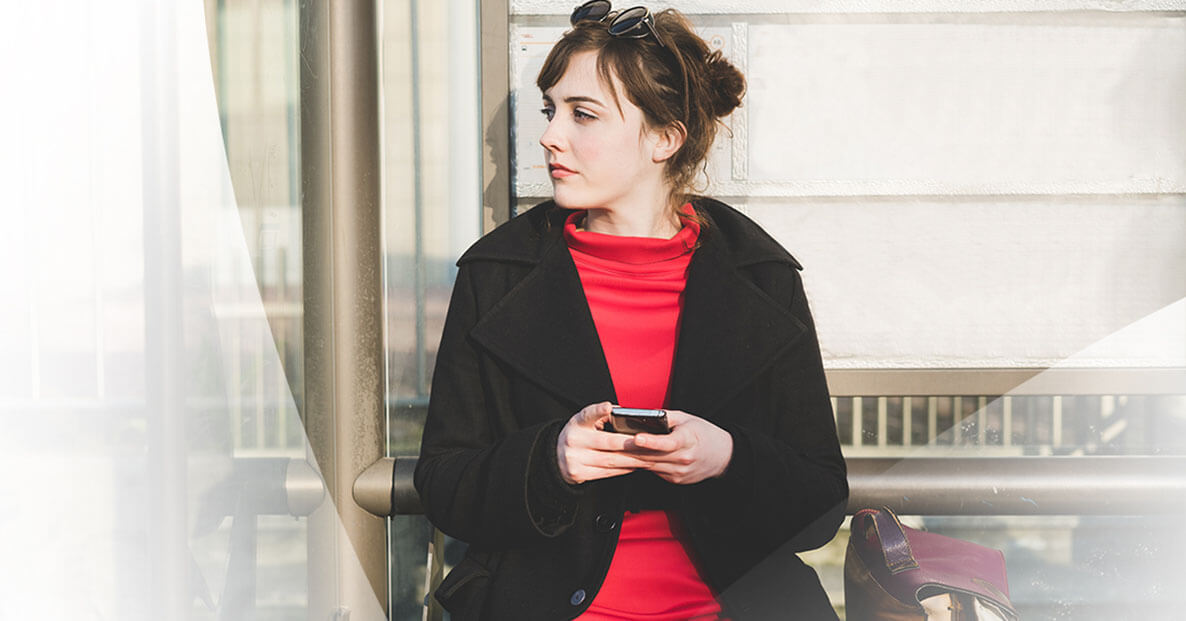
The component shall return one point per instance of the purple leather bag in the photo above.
(888, 560)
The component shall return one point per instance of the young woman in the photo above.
(628, 289)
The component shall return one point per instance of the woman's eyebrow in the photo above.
(577, 99)
(582, 99)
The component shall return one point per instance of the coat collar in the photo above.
(527, 238)
(730, 329)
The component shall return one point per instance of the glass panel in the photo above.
(1085, 568)
(260, 561)
(253, 57)
(1060, 566)
(432, 212)
(151, 331)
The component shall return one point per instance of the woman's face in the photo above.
(597, 157)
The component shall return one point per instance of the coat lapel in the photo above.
(730, 332)
(544, 330)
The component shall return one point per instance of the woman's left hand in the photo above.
(695, 449)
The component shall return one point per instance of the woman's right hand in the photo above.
(587, 453)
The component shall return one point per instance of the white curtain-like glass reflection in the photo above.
(135, 351)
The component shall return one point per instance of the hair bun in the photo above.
(726, 84)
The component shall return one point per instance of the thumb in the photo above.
(594, 413)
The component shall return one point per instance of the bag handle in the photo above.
(895, 547)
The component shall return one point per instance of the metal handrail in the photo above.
(1110, 485)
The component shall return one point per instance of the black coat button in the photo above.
(604, 523)
(578, 596)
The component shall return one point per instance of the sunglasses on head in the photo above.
(633, 23)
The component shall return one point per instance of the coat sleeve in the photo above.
(787, 480)
(488, 488)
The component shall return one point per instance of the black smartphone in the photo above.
(635, 420)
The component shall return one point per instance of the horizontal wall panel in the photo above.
(968, 108)
(934, 105)
(969, 190)
(991, 284)
(760, 7)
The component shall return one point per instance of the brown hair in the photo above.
(691, 85)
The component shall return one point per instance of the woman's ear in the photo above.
(668, 141)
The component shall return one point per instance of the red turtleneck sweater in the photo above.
(634, 286)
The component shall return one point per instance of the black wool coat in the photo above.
(520, 355)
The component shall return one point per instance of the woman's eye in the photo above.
(547, 112)
(581, 114)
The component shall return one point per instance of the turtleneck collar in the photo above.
(632, 250)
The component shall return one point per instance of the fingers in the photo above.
(605, 441)
(677, 417)
(580, 465)
(683, 433)
(678, 456)
(601, 460)
(676, 473)
(592, 414)
(597, 440)
(661, 443)
(582, 474)
(694, 450)
(587, 453)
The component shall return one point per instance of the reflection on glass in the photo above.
(432, 212)
(154, 461)
(1060, 566)
(253, 58)
(1093, 568)
(249, 551)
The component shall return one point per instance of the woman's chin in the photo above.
(566, 200)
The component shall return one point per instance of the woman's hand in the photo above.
(587, 453)
(695, 449)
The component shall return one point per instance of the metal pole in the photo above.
(946, 485)
(418, 205)
(344, 414)
(1019, 485)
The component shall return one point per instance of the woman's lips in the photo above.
(559, 172)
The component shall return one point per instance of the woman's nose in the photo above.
(551, 139)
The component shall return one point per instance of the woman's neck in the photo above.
(661, 223)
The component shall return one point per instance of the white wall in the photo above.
(990, 184)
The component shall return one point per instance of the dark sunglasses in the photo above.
(633, 23)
